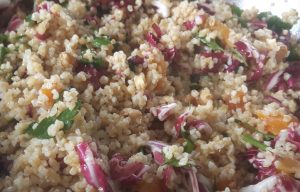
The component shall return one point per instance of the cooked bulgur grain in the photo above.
(153, 95)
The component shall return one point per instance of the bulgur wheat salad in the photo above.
(148, 96)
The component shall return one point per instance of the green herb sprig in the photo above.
(212, 44)
(274, 22)
(3, 52)
(3, 38)
(266, 136)
(41, 129)
(238, 12)
(99, 41)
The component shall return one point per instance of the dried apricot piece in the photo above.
(274, 124)
(237, 105)
(48, 93)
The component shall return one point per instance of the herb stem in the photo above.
(249, 139)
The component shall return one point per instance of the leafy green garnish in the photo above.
(41, 129)
(236, 10)
(3, 38)
(189, 146)
(3, 52)
(65, 4)
(174, 162)
(68, 115)
(238, 56)
(276, 24)
(20, 37)
(96, 62)
(212, 44)
(99, 41)
(29, 20)
(194, 86)
(266, 136)
(294, 54)
(263, 15)
(243, 22)
(249, 139)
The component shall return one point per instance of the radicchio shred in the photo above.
(275, 183)
(94, 73)
(156, 150)
(14, 23)
(262, 171)
(124, 172)
(220, 59)
(189, 25)
(163, 112)
(90, 168)
(258, 24)
(254, 58)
